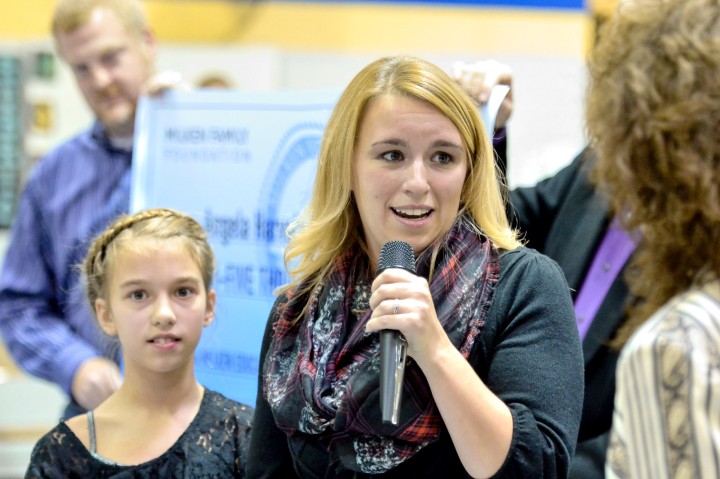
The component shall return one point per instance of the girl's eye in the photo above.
(184, 292)
(443, 158)
(138, 295)
(392, 156)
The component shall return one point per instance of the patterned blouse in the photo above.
(666, 422)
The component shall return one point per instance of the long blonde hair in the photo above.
(330, 225)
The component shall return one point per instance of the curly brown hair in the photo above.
(653, 117)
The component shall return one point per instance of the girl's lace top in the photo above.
(214, 445)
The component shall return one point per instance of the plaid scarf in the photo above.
(321, 373)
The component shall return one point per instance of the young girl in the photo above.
(148, 280)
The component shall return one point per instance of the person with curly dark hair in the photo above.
(653, 113)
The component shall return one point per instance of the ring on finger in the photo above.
(395, 307)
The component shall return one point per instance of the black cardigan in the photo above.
(565, 218)
(528, 354)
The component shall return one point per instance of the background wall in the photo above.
(266, 45)
(305, 45)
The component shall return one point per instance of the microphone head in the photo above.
(396, 254)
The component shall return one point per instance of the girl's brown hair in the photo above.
(157, 224)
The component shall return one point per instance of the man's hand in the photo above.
(163, 81)
(479, 78)
(94, 381)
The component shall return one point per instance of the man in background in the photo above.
(73, 193)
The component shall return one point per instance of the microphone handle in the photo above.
(393, 351)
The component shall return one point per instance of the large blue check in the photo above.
(242, 164)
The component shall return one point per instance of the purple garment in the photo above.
(73, 193)
(611, 256)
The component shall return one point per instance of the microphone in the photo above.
(393, 346)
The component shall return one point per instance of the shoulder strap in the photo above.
(91, 431)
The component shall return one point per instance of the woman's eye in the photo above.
(443, 158)
(392, 156)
